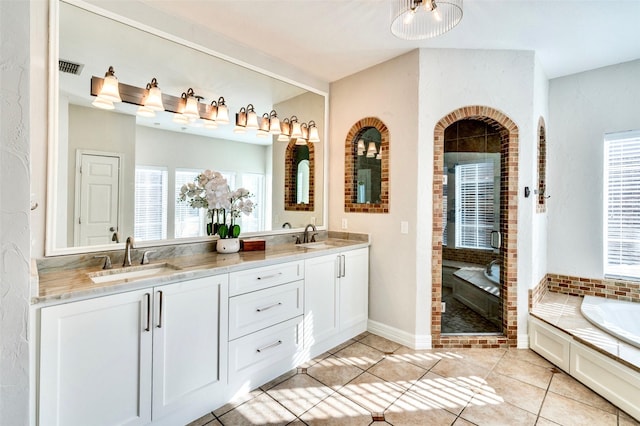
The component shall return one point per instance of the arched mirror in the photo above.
(367, 167)
(299, 177)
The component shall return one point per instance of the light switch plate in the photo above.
(344, 223)
(404, 227)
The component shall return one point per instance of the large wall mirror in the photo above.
(139, 163)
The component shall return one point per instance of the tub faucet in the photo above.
(305, 238)
(127, 252)
(490, 265)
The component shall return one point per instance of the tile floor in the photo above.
(372, 381)
(458, 318)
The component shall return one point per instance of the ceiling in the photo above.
(331, 39)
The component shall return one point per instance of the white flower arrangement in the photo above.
(211, 191)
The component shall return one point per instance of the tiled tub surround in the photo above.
(580, 286)
(608, 365)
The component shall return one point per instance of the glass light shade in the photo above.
(313, 134)
(223, 114)
(296, 132)
(154, 100)
(274, 125)
(264, 124)
(305, 131)
(419, 20)
(361, 146)
(241, 122)
(180, 119)
(371, 150)
(102, 103)
(110, 90)
(191, 108)
(300, 141)
(252, 120)
(144, 111)
(379, 156)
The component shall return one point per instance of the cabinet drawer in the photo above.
(268, 276)
(261, 309)
(252, 353)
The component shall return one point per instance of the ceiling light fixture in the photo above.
(422, 19)
(109, 92)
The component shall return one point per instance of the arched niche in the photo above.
(367, 167)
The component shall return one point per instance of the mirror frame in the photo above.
(52, 133)
(350, 172)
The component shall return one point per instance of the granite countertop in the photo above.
(66, 283)
(563, 312)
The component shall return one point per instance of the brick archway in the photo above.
(508, 227)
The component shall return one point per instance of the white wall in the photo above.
(388, 91)
(582, 108)
(15, 120)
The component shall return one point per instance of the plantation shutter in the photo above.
(150, 205)
(474, 205)
(622, 204)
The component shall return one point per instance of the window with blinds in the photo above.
(150, 205)
(474, 205)
(622, 205)
(189, 222)
(254, 182)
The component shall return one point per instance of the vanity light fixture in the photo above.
(264, 123)
(153, 100)
(252, 118)
(285, 131)
(422, 19)
(371, 150)
(241, 121)
(274, 123)
(109, 92)
(296, 132)
(304, 129)
(379, 155)
(219, 111)
(180, 118)
(313, 132)
(191, 105)
(361, 147)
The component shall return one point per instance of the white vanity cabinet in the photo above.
(265, 323)
(156, 354)
(336, 298)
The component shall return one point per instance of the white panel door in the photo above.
(320, 299)
(95, 362)
(99, 195)
(187, 367)
(354, 287)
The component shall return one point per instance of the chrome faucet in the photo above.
(488, 267)
(305, 238)
(127, 252)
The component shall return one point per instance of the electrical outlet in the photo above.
(344, 223)
(404, 227)
(444, 307)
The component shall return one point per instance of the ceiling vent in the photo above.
(69, 67)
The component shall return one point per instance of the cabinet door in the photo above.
(320, 299)
(95, 362)
(354, 287)
(187, 367)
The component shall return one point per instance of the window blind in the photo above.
(150, 205)
(622, 204)
(474, 205)
(189, 222)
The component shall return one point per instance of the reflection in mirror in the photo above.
(117, 174)
(299, 179)
(367, 167)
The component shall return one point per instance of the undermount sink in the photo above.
(316, 245)
(127, 273)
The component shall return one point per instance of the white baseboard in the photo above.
(523, 341)
(399, 336)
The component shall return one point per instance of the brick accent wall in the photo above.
(508, 227)
(609, 288)
(536, 293)
(479, 257)
(290, 195)
(351, 156)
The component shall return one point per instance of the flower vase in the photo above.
(228, 245)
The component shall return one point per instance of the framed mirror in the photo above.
(367, 167)
(120, 173)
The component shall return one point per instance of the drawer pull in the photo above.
(266, 277)
(273, 345)
(264, 308)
